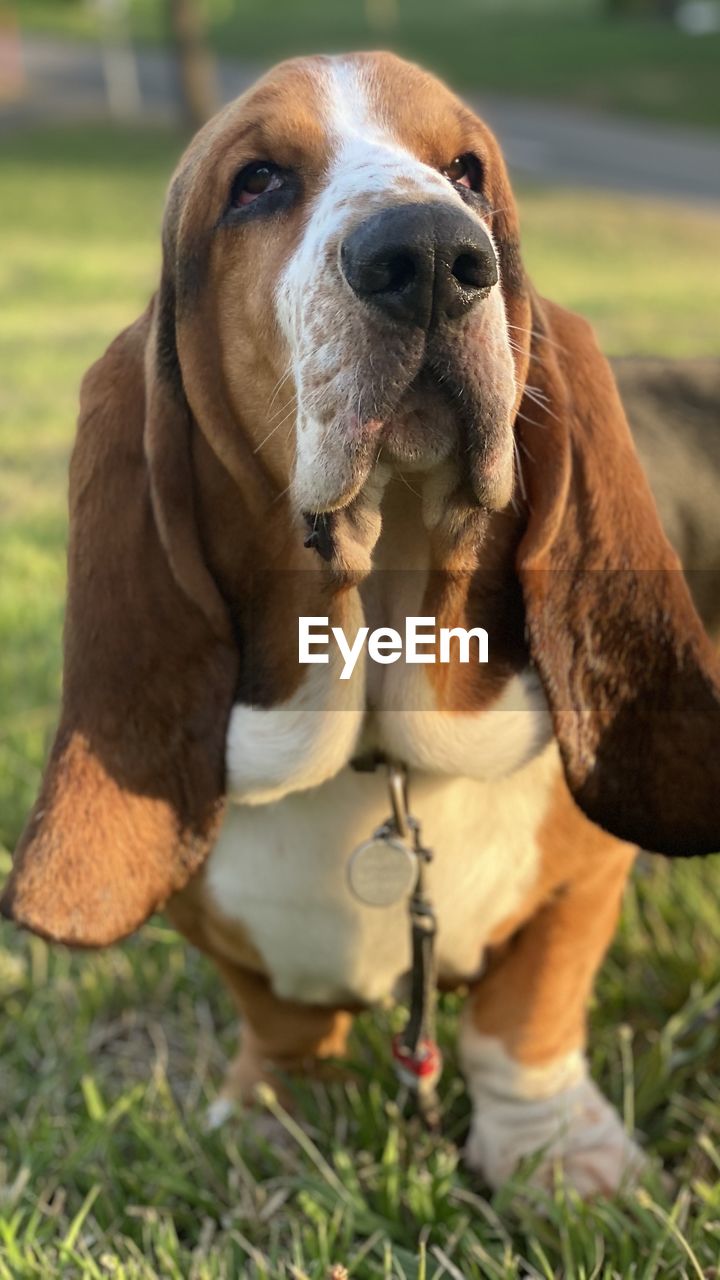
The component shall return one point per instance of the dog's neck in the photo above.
(474, 585)
(404, 548)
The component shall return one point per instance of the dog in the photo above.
(347, 402)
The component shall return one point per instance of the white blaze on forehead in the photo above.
(352, 107)
(367, 152)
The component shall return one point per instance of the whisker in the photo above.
(278, 496)
(526, 451)
(519, 471)
(270, 434)
(539, 391)
(281, 409)
(541, 403)
(407, 484)
(535, 333)
(278, 425)
(278, 385)
(522, 352)
(532, 421)
(312, 403)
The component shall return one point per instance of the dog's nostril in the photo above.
(400, 271)
(466, 269)
(387, 273)
(474, 270)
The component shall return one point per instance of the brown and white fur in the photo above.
(475, 469)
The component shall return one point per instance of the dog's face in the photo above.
(355, 226)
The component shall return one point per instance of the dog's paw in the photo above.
(248, 1073)
(575, 1135)
(257, 1127)
(551, 1112)
(219, 1110)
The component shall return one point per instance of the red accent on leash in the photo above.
(420, 1069)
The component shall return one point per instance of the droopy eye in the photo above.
(255, 180)
(464, 171)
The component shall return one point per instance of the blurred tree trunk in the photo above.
(12, 71)
(196, 65)
(122, 82)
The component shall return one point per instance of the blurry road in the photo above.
(569, 146)
(549, 143)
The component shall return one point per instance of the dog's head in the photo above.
(342, 294)
(348, 234)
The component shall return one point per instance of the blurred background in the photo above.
(609, 113)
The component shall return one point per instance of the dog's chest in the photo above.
(281, 872)
(480, 785)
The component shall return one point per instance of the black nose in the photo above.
(420, 262)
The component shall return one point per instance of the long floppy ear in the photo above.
(632, 680)
(133, 789)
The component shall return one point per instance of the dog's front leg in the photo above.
(523, 1040)
(278, 1038)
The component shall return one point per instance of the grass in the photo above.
(567, 52)
(107, 1060)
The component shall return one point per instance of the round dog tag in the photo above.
(382, 871)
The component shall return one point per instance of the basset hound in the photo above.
(346, 401)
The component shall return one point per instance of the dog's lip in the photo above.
(426, 379)
(397, 438)
(318, 536)
(426, 402)
(388, 437)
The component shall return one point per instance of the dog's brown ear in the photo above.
(133, 789)
(632, 680)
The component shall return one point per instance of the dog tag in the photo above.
(382, 871)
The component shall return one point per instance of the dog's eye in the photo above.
(255, 180)
(464, 171)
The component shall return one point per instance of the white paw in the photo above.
(256, 1124)
(217, 1113)
(576, 1132)
(551, 1111)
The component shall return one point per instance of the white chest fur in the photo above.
(280, 871)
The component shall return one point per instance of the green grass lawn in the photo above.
(567, 52)
(106, 1061)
